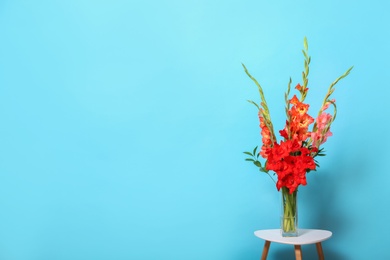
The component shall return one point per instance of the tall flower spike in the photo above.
(332, 89)
(264, 111)
(287, 108)
(303, 89)
(327, 101)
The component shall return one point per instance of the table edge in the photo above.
(294, 240)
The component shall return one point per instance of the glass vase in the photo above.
(289, 216)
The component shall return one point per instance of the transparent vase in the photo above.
(289, 216)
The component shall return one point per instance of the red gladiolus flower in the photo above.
(297, 127)
(290, 162)
(266, 137)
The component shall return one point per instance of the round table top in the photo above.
(305, 236)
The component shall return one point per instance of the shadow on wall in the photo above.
(320, 204)
(323, 199)
(323, 205)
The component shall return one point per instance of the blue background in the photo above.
(122, 127)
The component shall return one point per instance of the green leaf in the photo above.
(257, 163)
(262, 169)
(249, 159)
(305, 45)
(254, 103)
(306, 56)
(248, 153)
(254, 150)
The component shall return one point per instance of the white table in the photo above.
(305, 237)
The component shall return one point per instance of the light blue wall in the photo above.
(122, 127)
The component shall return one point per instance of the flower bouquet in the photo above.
(294, 156)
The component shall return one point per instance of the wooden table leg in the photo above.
(319, 251)
(265, 250)
(298, 252)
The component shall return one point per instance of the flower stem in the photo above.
(289, 208)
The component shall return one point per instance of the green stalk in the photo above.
(289, 211)
(265, 111)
